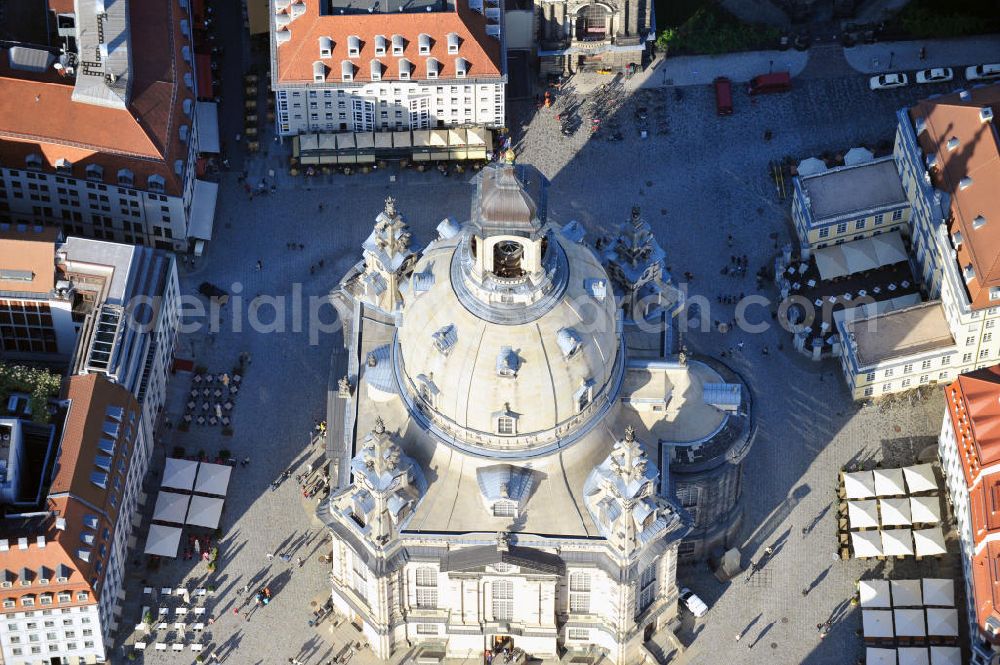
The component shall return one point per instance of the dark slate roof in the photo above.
(472, 558)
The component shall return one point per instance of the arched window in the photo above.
(592, 23)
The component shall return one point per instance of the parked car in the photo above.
(888, 81)
(210, 291)
(773, 82)
(936, 75)
(695, 605)
(983, 72)
(723, 96)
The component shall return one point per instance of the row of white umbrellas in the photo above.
(940, 622)
(898, 542)
(900, 511)
(890, 482)
(914, 656)
(907, 593)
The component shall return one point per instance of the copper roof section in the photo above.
(38, 116)
(297, 54)
(27, 258)
(960, 132)
(70, 541)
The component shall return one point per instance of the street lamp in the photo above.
(891, 54)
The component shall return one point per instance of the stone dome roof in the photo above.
(503, 203)
(551, 374)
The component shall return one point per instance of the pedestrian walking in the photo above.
(246, 461)
(768, 551)
(299, 561)
(236, 611)
(738, 636)
(270, 556)
(260, 265)
(211, 620)
(246, 616)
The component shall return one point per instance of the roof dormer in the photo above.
(353, 46)
(453, 42)
(405, 69)
(424, 44)
(398, 44)
(433, 68)
(381, 44)
(319, 71)
(461, 67)
(346, 70)
(325, 47)
(377, 69)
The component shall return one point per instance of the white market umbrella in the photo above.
(170, 507)
(877, 623)
(907, 593)
(929, 542)
(811, 166)
(163, 540)
(205, 511)
(866, 544)
(858, 156)
(925, 509)
(897, 542)
(946, 656)
(909, 623)
(213, 479)
(875, 656)
(179, 474)
(874, 593)
(889, 482)
(863, 514)
(859, 485)
(920, 478)
(938, 591)
(942, 622)
(913, 656)
(894, 512)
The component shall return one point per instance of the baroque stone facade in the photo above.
(591, 34)
(502, 427)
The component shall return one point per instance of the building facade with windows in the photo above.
(576, 35)
(508, 485)
(97, 307)
(64, 542)
(339, 67)
(948, 155)
(969, 448)
(103, 139)
(848, 203)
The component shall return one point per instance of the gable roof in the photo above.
(38, 115)
(295, 56)
(965, 143)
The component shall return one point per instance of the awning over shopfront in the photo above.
(860, 255)
(203, 65)
(163, 540)
(203, 209)
(207, 115)
(205, 511)
(171, 507)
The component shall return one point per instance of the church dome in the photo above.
(515, 386)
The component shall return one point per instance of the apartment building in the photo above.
(93, 306)
(387, 65)
(101, 137)
(948, 155)
(63, 551)
(969, 448)
(848, 203)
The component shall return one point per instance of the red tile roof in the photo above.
(296, 56)
(72, 497)
(973, 402)
(967, 146)
(38, 116)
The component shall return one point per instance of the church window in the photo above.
(426, 587)
(503, 600)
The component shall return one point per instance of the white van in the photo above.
(982, 72)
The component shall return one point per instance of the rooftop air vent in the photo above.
(979, 222)
(969, 273)
(282, 36)
(956, 239)
(965, 182)
(953, 143)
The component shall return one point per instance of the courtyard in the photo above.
(705, 189)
